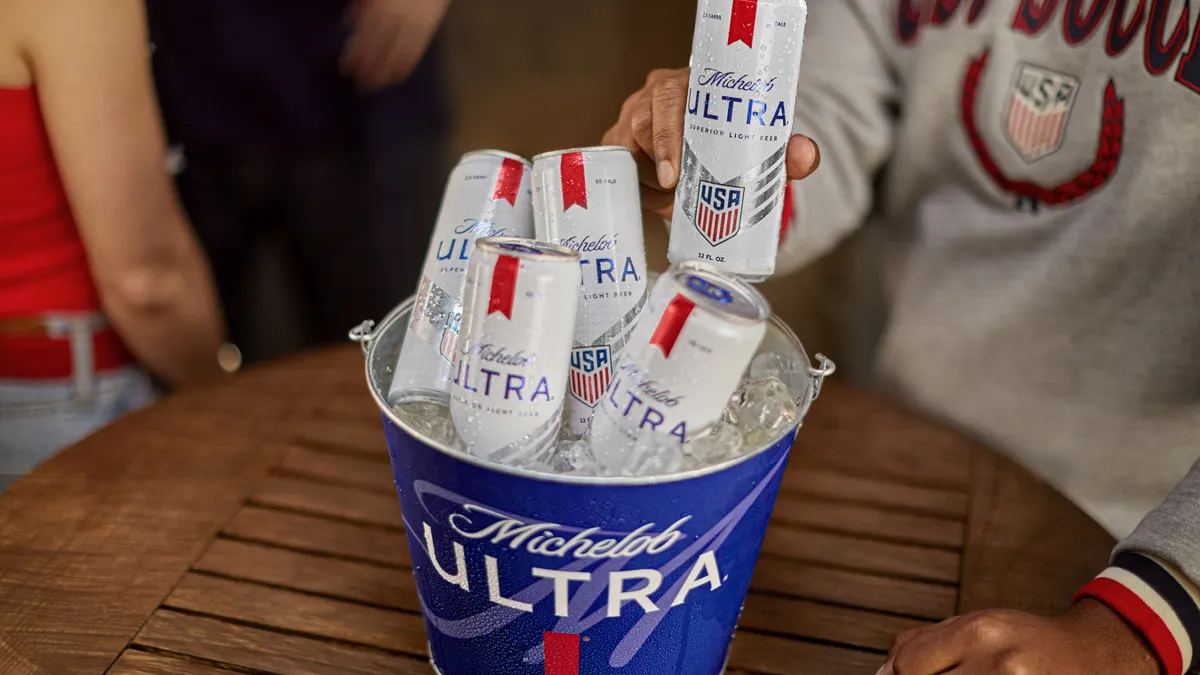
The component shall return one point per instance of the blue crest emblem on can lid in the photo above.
(520, 248)
(709, 289)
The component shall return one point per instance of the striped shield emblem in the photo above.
(719, 211)
(591, 369)
(1037, 111)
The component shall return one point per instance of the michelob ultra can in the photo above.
(740, 107)
(587, 200)
(510, 364)
(487, 195)
(698, 335)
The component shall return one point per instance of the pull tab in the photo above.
(363, 333)
(825, 368)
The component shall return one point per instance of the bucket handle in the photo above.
(363, 333)
(825, 368)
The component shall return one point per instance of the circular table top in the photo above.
(253, 527)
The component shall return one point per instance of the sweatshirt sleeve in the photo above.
(1152, 580)
(845, 99)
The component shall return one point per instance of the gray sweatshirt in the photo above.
(1035, 165)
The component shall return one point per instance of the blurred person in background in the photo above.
(99, 271)
(1034, 175)
(314, 128)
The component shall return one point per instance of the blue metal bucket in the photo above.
(522, 573)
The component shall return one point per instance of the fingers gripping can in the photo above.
(738, 120)
(510, 365)
(487, 195)
(587, 200)
(700, 330)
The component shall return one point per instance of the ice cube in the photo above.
(653, 454)
(783, 367)
(430, 419)
(761, 409)
(720, 444)
(573, 458)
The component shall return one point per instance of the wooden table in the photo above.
(253, 528)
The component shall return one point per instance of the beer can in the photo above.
(510, 365)
(487, 195)
(587, 199)
(740, 106)
(685, 359)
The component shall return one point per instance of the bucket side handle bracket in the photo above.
(824, 368)
(363, 333)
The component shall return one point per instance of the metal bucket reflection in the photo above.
(522, 573)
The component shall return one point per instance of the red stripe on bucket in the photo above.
(562, 653)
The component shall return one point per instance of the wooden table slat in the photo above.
(802, 618)
(309, 615)
(824, 484)
(255, 648)
(855, 589)
(319, 535)
(356, 438)
(330, 500)
(347, 470)
(871, 437)
(779, 656)
(360, 582)
(864, 555)
(134, 662)
(880, 523)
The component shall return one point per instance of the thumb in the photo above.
(668, 101)
(803, 157)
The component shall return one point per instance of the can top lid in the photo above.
(494, 153)
(719, 293)
(595, 148)
(527, 249)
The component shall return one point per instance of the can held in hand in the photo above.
(740, 105)
(522, 573)
(700, 331)
(587, 199)
(510, 365)
(487, 195)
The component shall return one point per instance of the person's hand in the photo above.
(651, 125)
(389, 38)
(1090, 639)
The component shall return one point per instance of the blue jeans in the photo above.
(39, 418)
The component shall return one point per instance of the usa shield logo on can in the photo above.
(719, 211)
(591, 369)
(1037, 111)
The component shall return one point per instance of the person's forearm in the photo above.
(169, 316)
(1152, 581)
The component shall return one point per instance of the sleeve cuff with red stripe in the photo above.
(1156, 599)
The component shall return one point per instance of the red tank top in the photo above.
(43, 267)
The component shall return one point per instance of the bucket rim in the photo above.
(368, 330)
